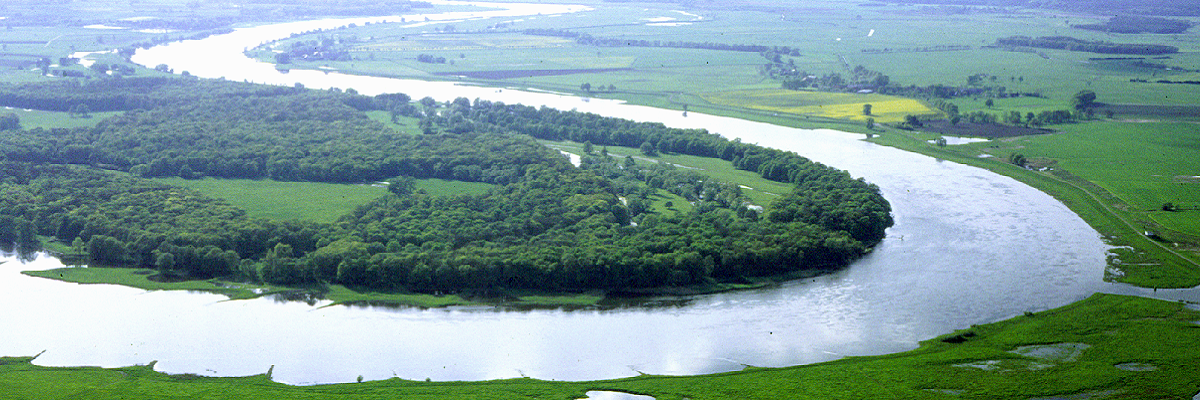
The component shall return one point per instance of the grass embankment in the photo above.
(141, 278)
(1092, 150)
(1109, 346)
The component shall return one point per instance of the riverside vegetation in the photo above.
(544, 225)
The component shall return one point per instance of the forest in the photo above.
(1091, 46)
(1139, 24)
(547, 225)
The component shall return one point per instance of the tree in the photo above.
(9, 121)
(940, 141)
(867, 109)
(1169, 207)
(912, 121)
(165, 261)
(587, 87)
(106, 249)
(989, 103)
(79, 246)
(587, 147)
(870, 123)
(1012, 117)
(401, 186)
(80, 111)
(1083, 100)
(1018, 159)
(648, 149)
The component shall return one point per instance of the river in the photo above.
(968, 247)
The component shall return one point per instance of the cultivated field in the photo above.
(849, 106)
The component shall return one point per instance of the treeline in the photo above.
(431, 59)
(859, 78)
(1139, 24)
(589, 40)
(234, 130)
(926, 49)
(1046, 117)
(1073, 44)
(547, 225)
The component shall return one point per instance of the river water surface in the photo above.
(968, 247)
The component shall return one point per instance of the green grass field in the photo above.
(403, 124)
(31, 119)
(1096, 348)
(309, 201)
(759, 190)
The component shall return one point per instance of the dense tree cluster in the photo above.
(431, 59)
(860, 78)
(546, 225)
(1091, 46)
(124, 220)
(1139, 24)
(324, 48)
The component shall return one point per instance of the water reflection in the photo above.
(604, 395)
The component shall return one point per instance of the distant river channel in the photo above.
(968, 247)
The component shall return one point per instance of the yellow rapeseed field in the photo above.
(821, 104)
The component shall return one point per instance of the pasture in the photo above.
(50, 119)
(760, 191)
(1145, 165)
(308, 201)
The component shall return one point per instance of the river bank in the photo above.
(1098, 342)
(337, 295)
